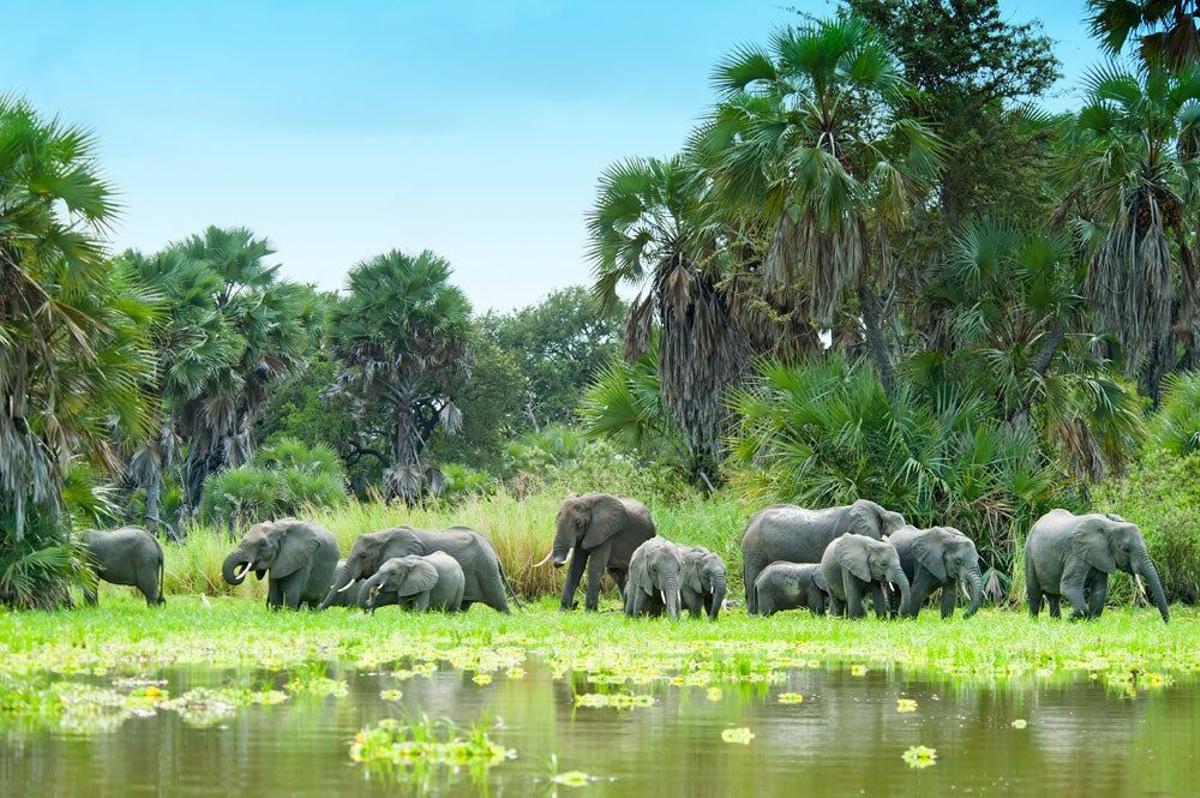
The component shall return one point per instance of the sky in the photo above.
(343, 130)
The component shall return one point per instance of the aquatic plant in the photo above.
(920, 756)
(398, 748)
(741, 736)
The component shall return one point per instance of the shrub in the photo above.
(1161, 494)
(1176, 425)
(282, 479)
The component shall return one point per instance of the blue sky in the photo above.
(341, 130)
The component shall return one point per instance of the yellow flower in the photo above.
(858, 670)
(742, 736)
(906, 705)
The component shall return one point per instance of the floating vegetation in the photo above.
(572, 778)
(482, 678)
(204, 707)
(403, 749)
(613, 700)
(790, 698)
(905, 705)
(714, 693)
(920, 756)
(1019, 723)
(741, 736)
(391, 695)
(858, 670)
(311, 680)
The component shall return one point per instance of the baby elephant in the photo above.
(703, 586)
(853, 564)
(126, 556)
(434, 581)
(655, 572)
(789, 586)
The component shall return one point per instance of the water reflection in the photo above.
(846, 738)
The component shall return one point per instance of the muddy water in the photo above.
(845, 738)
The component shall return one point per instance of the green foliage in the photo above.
(1161, 494)
(1176, 425)
(285, 478)
(824, 433)
(624, 404)
(1164, 31)
(490, 397)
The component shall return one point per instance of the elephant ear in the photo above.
(296, 546)
(1089, 541)
(852, 555)
(862, 519)
(929, 550)
(608, 518)
(421, 577)
(819, 581)
(639, 572)
(691, 571)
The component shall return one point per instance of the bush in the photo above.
(1161, 494)
(1176, 426)
(283, 478)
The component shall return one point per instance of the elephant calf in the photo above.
(653, 585)
(126, 556)
(853, 564)
(939, 557)
(1070, 556)
(789, 586)
(430, 582)
(703, 587)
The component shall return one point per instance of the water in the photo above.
(846, 738)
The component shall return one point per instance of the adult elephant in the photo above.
(938, 557)
(794, 534)
(599, 532)
(484, 580)
(347, 598)
(1070, 556)
(126, 556)
(855, 564)
(299, 557)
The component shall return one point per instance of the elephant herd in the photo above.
(829, 560)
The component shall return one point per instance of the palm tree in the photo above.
(652, 226)
(1131, 189)
(810, 134)
(1166, 30)
(73, 355)
(401, 338)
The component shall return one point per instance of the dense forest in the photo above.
(877, 268)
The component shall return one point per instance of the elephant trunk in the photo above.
(671, 597)
(235, 567)
(896, 577)
(341, 580)
(369, 593)
(1144, 567)
(974, 585)
(718, 597)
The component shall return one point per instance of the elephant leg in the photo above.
(574, 574)
(837, 608)
(421, 601)
(918, 593)
(1055, 604)
(766, 604)
(1033, 590)
(293, 588)
(1099, 593)
(949, 599)
(816, 601)
(597, 565)
(879, 598)
(854, 605)
(751, 568)
(147, 583)
(491, 587)
(692, 601)
(274, 593)
(618, 575)
(1074, 578)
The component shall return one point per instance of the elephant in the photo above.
(938, 557)
(703, 587)
(598, 531)
(789, 586)
(431, 582)
(347, 598)
(655, 574)
(299, 556)
(1070, 556)
(793, 534)
(484, 579)
(854, 563)
(126, 556)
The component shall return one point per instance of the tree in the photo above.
(558, 345)
(652, 227)
(1128, 183)
(400, 337)
(73, 355)
(1166, 31)
(811, 136)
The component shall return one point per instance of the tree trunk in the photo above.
(868, 305)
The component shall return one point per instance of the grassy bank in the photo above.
(521, 529)
(1127, 649)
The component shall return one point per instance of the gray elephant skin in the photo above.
(126, 556)
(347, 598)
(430, 582)
(599, 532)
(938, 557)
(793, 534)
(298, 557)
(655, 573)
(485, 582)
(1070, 556)
(789, 586)
(702, 589)
(856, 564)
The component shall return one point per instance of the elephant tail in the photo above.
(508, 586)
(162, 569)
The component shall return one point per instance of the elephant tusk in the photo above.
(570, 554)
(347, 587)
(663, 595)
(545, 559)
(241, 571)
